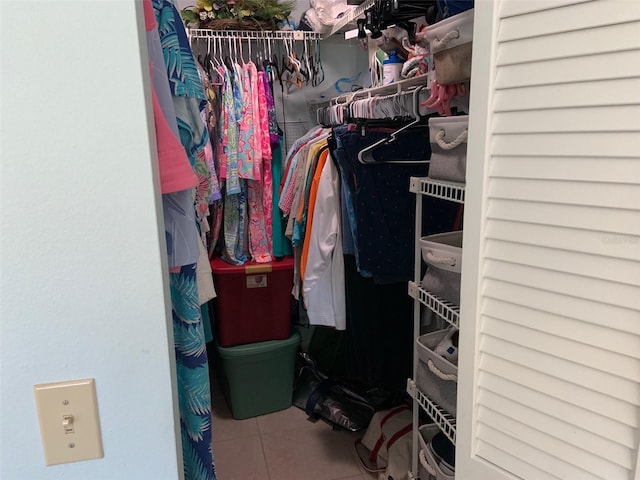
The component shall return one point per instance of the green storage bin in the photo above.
(257, 378)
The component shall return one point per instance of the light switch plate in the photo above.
(69, 421)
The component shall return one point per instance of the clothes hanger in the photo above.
(365, 156)
(320, 77)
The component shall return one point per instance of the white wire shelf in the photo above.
(254, 34)
(391, 89)
(352, 15)
(445, 421)
(451, 191)
(447, 310)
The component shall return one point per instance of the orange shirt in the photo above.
(313, 193)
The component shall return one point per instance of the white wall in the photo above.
(83, 293)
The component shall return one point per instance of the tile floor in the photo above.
(281, 446)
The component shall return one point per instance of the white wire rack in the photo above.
(395, 88)
(352, 15)
(445, 421)
(254, 34)
(451, 191)
(447, 310)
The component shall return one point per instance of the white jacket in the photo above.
(323, 287)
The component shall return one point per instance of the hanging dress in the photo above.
(192, 370)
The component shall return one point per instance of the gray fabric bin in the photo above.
(443, 255)
(429, 465)
(437, 377)
(448, 139)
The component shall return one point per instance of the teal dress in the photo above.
(192, 367)
(281, 244)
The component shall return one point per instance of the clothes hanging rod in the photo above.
(254, 34)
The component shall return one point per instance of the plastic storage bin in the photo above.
(437, 377)
(257, 378)
(443, 255)
(431, 466)
(254, 301)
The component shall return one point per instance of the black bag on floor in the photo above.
(337, 402)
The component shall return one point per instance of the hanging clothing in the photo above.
(311, 207)
(281, 244)
(243, 159)
(383, 206)
(234, 225)
(246, 151)
(176, 174)
(194, 394)
(178, 58)
(323, 284)
(192, 370)
(194, 138)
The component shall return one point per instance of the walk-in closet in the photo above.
(320, 240)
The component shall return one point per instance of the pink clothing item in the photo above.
(267, 202)
(176, 173)
(149, 15)
(264, 118)
(257, 138)
(259, 239)
(288, 195)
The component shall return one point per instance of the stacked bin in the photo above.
(255, 349)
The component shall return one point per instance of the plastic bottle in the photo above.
(392, 67)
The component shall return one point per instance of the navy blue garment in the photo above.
(449, 8)
(347, 186)
(384, 208)
(379, 330)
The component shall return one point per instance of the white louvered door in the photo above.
(549, 384)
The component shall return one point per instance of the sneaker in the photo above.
(448, 346)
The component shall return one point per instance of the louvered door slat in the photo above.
(615, 270)
(553, 303)
(592, 119)
(604, 39)
(561, 411)
(607, 361)
(611, 244)
(588, 288)
(572, 393)
(513, 463)
(557, 430)
(573, 193)
(563, 370)
(512, 9)
(512, 444)
(606, 145)
(565, 70)
(568, 18)
(611, 170)
(583, 464)
(614, 91)
(597, 334)
(606, 220)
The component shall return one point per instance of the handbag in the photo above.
(386, 446)
(333, 401)
(450, 41)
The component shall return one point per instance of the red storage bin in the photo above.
(254, 301)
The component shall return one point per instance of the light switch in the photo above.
(69, 422)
